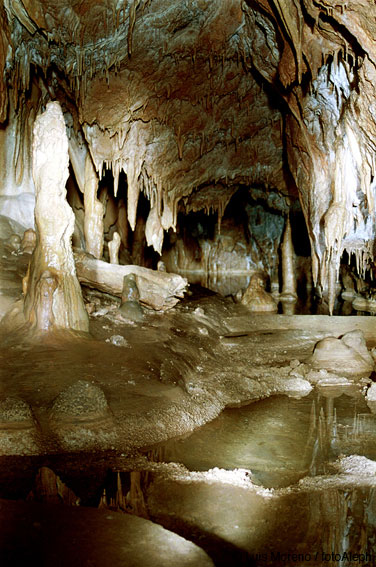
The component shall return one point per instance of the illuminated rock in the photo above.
(53, 296)
(347, 356)
(256, 299)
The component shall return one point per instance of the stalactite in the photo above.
(154, 231)
(133, 194)
(169, 215)
(132, 21)
(116, 168)
(180, 142)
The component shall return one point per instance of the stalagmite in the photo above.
(50, 489)
(139, 241)
(288, 265)
(256, 299)
(335, 222)
(29, 241)
(42, 314)
(122, 223)
(94, 212)
(113, 248)
(130, 299)
(53, 296)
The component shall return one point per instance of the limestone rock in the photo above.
(54, 225)
(157, 290)
(13, 243)
(18, 430)
(82, 401)
(113, 248)
(118, 340)
(371, 393)
(364, 304)
(256, 299)
(130, 307)
(81, 418)
(29, 241)
(15, 410)
(50, 489)
(132, 310)
(347, 356)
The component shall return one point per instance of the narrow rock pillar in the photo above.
(113, 248)
(288, 265)
(53, 296)
(94, 212)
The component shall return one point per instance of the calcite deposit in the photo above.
(52, 293)
(346, 356)
(256, 298)
(150, 149)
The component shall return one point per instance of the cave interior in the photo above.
(187, 224)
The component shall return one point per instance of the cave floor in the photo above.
(161, 378)
(85, 405)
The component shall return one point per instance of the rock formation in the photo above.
(52, 293)
(158, 290)
(288, 265)
(256, 299)
(347, 356)
(113, 248)
(130, 296)
(29, 241)
(94, 211)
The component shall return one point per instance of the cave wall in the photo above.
(244, 238)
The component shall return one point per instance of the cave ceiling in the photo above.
(192, 99)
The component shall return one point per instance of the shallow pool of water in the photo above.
(280, 439)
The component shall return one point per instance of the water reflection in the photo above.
(280, 439)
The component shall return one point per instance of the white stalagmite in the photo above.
(53, 296)
(113, 248)
(94, 212)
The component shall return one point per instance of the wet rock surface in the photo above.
(59, 535)
(15, 410)
(347, 356)
(97, 400)
(81, 401)
(19, 434)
